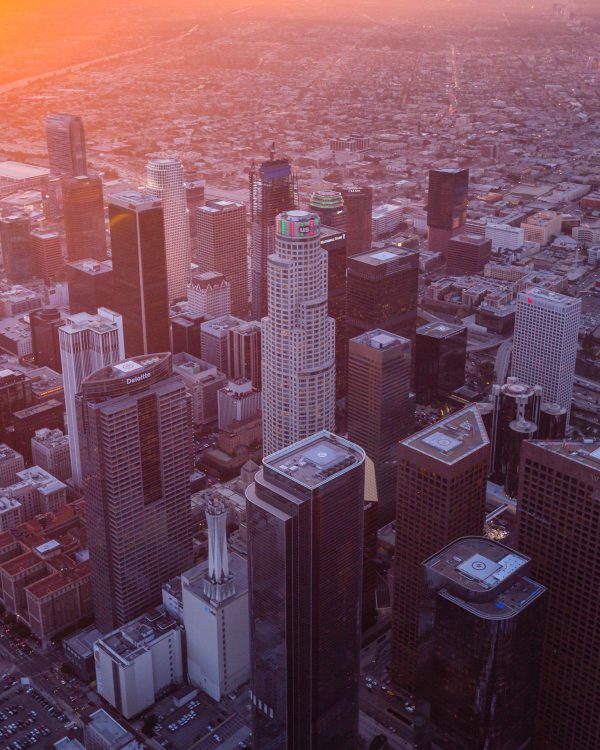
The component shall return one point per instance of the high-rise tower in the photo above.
(223, 247)
(140, 271)
(87, 343)
(16, 247)
(165, 181)
(358, 202)
(135, 426)
(545, 343)
(83, 204)
(273, 189)
(298, 338)
(329, 204)
(446, 206)
(66, 144)
(305, 541)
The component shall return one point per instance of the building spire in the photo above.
(218, 584)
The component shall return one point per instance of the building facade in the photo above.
(440, 359)
(65, 138)
(83, 206)
(446, 206)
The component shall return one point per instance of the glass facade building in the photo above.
(446, 205)
(83, 206)
(440, 358)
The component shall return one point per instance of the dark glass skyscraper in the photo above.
(44, 324)
(66, 144)
(333, 241)
(135, 423)
(90, 285)
(329, 205)
(305, 541)
(446, 205)
(480, 648)
(558, 519)
(440, 354)
(273, 190)
(16, 248)
(140, 271)
(358, 202)
(83, 204)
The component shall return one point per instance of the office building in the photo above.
(305, 514)
(135, 426)
(223, 247)
(164, 181)
(380, 408)
(87, 344)
(541, 227)
(467, 254)
(140, 271)
(44, 324)
(382, 289)
(26, 422)
(243, 358)
(273, 189)
(216, 615)
(10, 463)
(237, 402)
(214, 337)
(442, 477)
(329, 205)
(203, 382)
(557, 526)
(185, 333)
(35, 492)
(480, 648)
(552, 424)
(387, 219)
(16, 248)
(446, 206)
(102, 732)
(333, 242)
(545, 343)
(359, 218)
(50, 451)
(46, 256)
(209, 295)
(194, 198)
(83, 206)
(504, 236)
(440, 358)
(16, 393)
(298, 336)
(90, 285)
(65, 138)
(137, 661)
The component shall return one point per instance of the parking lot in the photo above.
(200, 723)
(27, 720)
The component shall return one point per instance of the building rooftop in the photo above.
(219, 205)
(380, 339)
(16, 170)
(7, 453)
(91, 266)
(451, 439)
(187, 364)
(82, 643)
(316, 459)
(67, 743)
(220, 326)
(108, 728)
(439, 330)
(388, 254)
(585, 452)
(130, 370)
(539, 294)
(134, 200)
(82, 321)
(484, 577)
(32, 411)
(129, 641)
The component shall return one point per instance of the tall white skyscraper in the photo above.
(164, 180)
(545, 343)
(87, 343)
(298, 339)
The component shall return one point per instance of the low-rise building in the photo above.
(102, 732)
(11, 463)
(50, 451)
(203, 382)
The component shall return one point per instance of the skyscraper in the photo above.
(16, 247)
(545, 343)
(223, 247)
(333, 241)
(46, 255)
(329, 205)
(87, 344)
(442, 475)
(382, 289)
(140, 271)
(214, 338)
(164, 180)
(186, 332)
(467, 254)
(480, 647)
(83, 205)
(446, 205)
(380, 408)
(298, 337)
(90, 285)
(557, 526)
(194, 196)
(358, 202)
(209, 295)
(273, 189)
(243, 358)
(66, 144)
(305, 541)
(135, 426)
(440, 359)
(44, 323)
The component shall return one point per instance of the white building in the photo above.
(11, 462)
(203, 382)
(35, 492)
(50, 449)
(505, 236)
(238, 401)
(135, 662)
(541, 227)
(386, 219)
(164, 180)
(87, 343)
(298, 338)
(545, 343)
(588, 234)
(102, 732)
(209, 294)
(216, 614)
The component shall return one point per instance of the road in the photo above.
(503, 361)
(369, 728)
